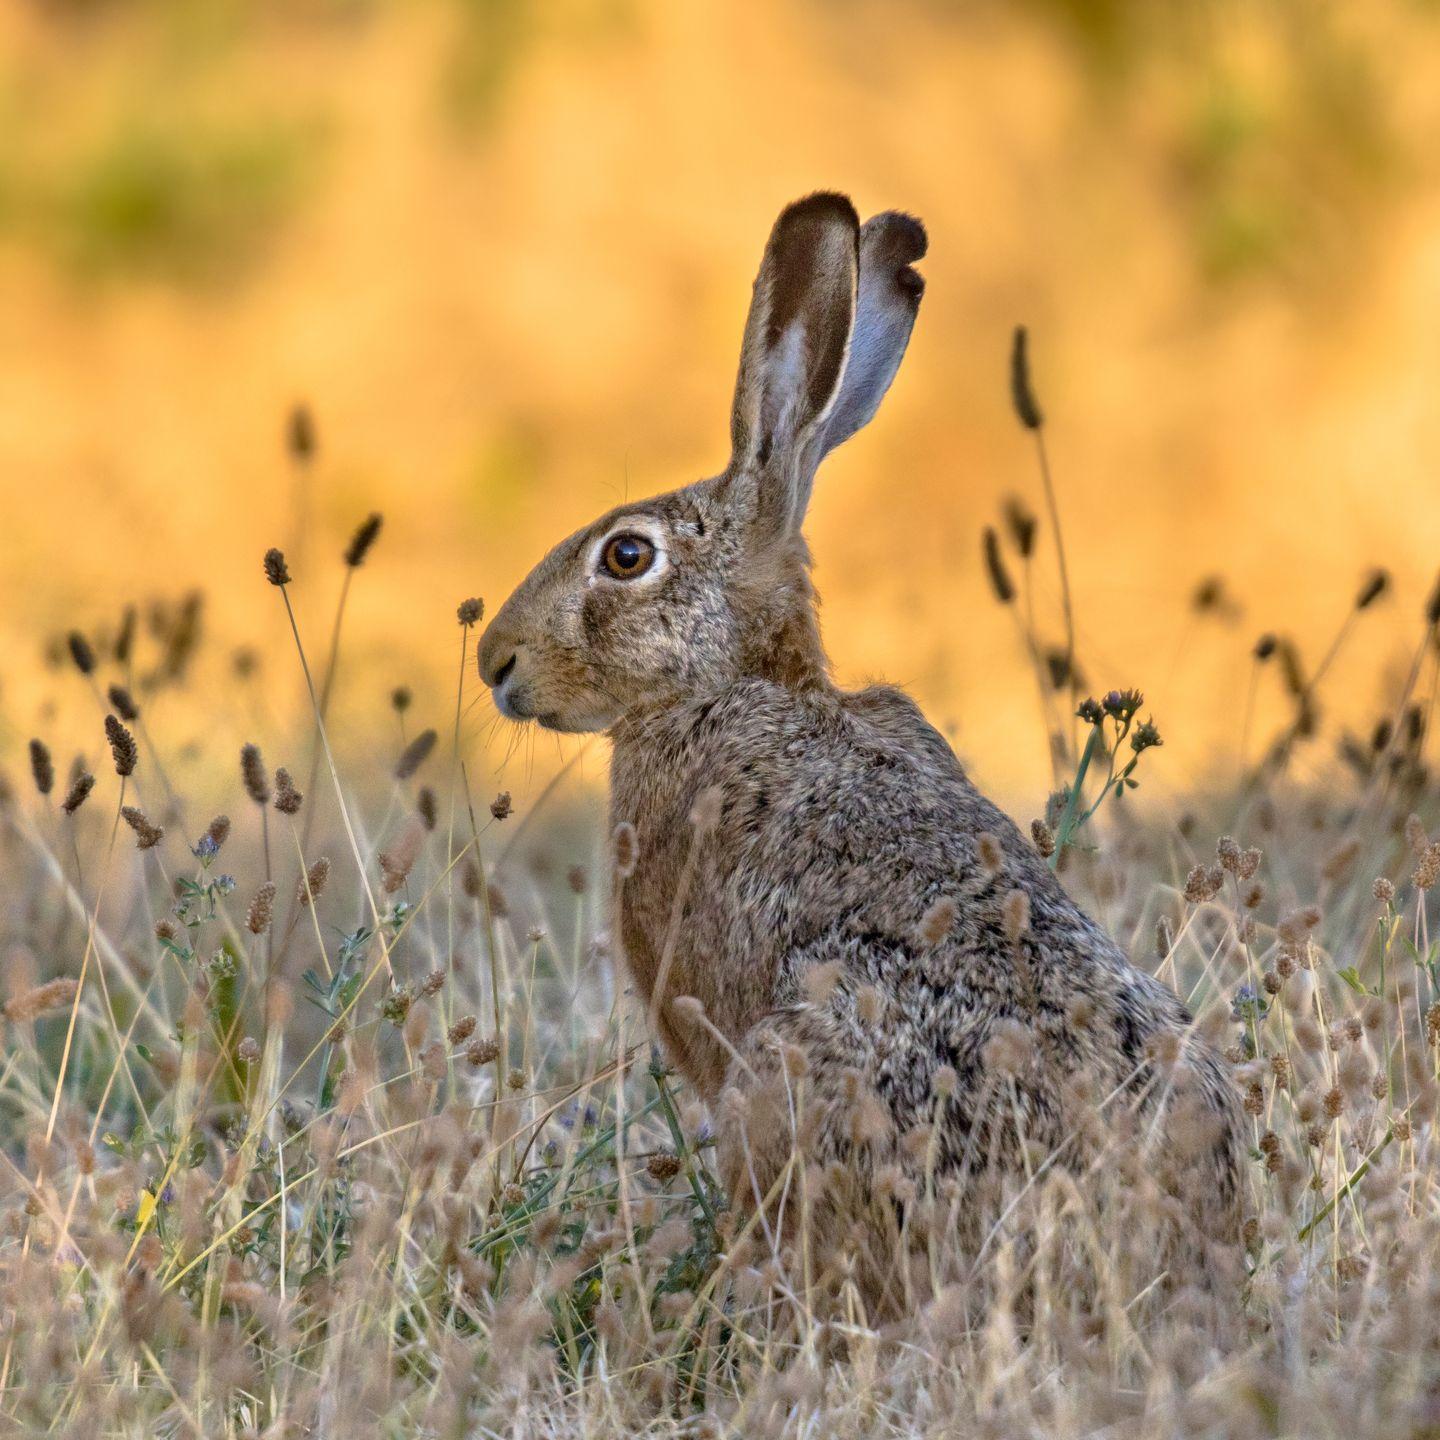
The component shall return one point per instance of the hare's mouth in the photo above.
(507, 703)
(515, 703)
(585, 724)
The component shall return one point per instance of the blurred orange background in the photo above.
(503, 254)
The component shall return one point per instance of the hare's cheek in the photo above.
(598, 619)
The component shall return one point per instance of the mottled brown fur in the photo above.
(841, 818)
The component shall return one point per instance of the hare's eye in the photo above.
(626, 556)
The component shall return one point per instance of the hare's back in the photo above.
(848, 818)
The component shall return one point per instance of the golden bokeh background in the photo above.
(503, 252)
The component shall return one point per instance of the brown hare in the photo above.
(898, 1016)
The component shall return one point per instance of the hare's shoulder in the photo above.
(885, 775)
(859, 770)
(755, 713)
(827, 749)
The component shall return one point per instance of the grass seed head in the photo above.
(125, 635)
(397, 862)
(689, 1008)
(938, 921)
(41, 1000)
(147, 836)
(415, 754)
(277, 572)
(663, 1167)
(482, 1052)
(469, 612)
(1016, 915)
(81, 652)
(261, 912)
(1203, 883)
(706, 811)
(123, 703)
(1009, 1049)
(1427, 872)
(301, 442)
(122, 747)
(79, 792)
(288, 799)
(819, 981)
(1001, 584)
(1209, 597)
(252, 774)
(42, 766)
(625, 849)
(1022, 525)
(312, 883)
(362, 540)
(1376, 583)
(1022, 390)
(396, 1005)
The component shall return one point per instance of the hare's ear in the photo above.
(796, 340)
(888, 301)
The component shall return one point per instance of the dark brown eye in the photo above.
(626, 556)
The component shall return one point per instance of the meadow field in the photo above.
(328, 1113)
(325, 1108)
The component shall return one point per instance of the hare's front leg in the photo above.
(808, 1153)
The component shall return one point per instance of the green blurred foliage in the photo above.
(491, 39)
(506, 472)
(1274, 165)
(1279, 117)
(162, 198)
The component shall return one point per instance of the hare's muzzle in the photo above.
(497, 652)
(497, 659)
(510, 699)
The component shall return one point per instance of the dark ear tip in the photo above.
(911, 282)
(896, 237)
(822, 205)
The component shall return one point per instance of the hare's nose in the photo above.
(496, 656)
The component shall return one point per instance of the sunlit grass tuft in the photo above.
(336, 1117)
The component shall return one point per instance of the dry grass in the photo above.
(332, 1118)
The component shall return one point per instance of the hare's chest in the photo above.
(690, 917)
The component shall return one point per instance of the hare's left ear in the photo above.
(797, 338)
(886, 306)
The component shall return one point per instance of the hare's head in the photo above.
(675, 596)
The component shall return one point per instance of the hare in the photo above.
(899, 1018)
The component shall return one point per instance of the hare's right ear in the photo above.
(797, 338)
